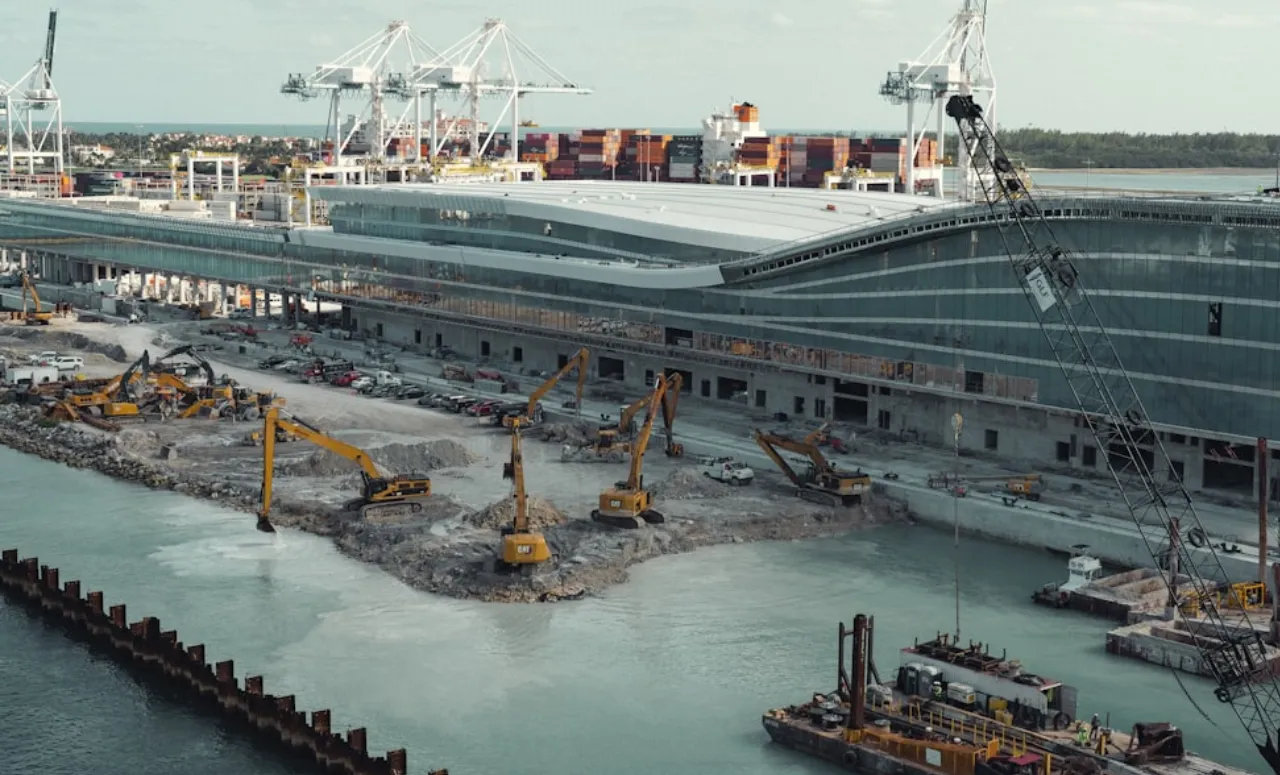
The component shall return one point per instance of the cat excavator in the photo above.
(33, 317)
(612, 442)
(120, 397)
(380, 495)
(522, 547)
(628, 504)
(820, 482)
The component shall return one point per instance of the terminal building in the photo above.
(879, 310)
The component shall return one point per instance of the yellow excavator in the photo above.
(522, 547)
(533, 413)
(120, 397)
(671, 400)
(379, 494)
(628, 503)
(34, 316)
(820, 482)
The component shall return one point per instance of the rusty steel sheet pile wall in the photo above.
(144, 645)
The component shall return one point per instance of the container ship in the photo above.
(958, 710)
(731, 149)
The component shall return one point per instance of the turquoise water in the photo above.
(667, 673)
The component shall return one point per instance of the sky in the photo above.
(1075, 65)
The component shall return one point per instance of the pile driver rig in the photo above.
(1110, 406)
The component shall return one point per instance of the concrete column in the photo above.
(168, 288)
(253, 301)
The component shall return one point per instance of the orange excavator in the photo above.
(820, 482)
(628, 504)
(522, 547)
(533, 413)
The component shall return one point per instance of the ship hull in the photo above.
(803, 737)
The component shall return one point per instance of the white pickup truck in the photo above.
(727, 470)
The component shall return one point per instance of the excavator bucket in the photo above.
(265, 525)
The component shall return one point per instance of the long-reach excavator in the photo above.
(533, 413)
(1235, 653)
(522, 547)
(820, 482)
(613, 441)
(33, 317)
(379, 493)
(628, 504)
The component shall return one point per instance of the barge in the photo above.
(954, 710)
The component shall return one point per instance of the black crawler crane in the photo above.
(1114, 413)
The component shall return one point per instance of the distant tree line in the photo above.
(255, 153)
(1047, 148)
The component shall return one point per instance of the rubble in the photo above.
(690, 483)
(542, 514)
(394, 458)
(71, 340)
(574, 433)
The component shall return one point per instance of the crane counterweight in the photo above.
(1112, 409)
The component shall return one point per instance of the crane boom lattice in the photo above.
(1234, 652)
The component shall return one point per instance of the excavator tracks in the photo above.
(824, 498)
(626, 522)
(396, 510)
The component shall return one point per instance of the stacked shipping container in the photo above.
(684, 158)
(540, 147)
(598, 152)
(648, 155)
(809, 159)
(761, 151)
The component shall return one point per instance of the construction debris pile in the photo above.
(691, 484)
(427, 456)
(542, 515)
(573, 433)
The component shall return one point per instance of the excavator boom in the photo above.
(670, 401)
(378, 490)
(579, 361)
(822, 483)
(1235, 653)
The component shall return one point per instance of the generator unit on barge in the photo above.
(971, 678)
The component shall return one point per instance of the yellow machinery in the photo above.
(1029, 486)
(33, 317)
(533, 414)
(118, 398)
(820, 482)
(254, 438)
(628, 503)
(379, 494)
(670, 400)
(522, 548)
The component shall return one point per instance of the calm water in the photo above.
(668, 673)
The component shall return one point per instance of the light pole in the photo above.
(1088, 167)
(139, 150)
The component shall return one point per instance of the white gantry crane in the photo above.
(464, 70)
(33, 115)
(955, 63)
(376, 72)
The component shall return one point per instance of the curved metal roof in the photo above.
(746, 219)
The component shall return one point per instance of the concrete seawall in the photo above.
(162, 657)
(1109, 539)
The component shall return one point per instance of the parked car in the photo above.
(42, 359)
(727, 470)
(345, 380)
(457, 404)
(67, 363)
(271, 361)
(410, 391)
(482, 408)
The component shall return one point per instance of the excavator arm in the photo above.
(1160, 506)
(515, 471)
(670, 402)
(189, 351)
(579, 361)
(272, 420)
(635, 475)
(771, 443)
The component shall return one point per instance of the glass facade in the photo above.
(1189, 295)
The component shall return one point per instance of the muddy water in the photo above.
(667, 673)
